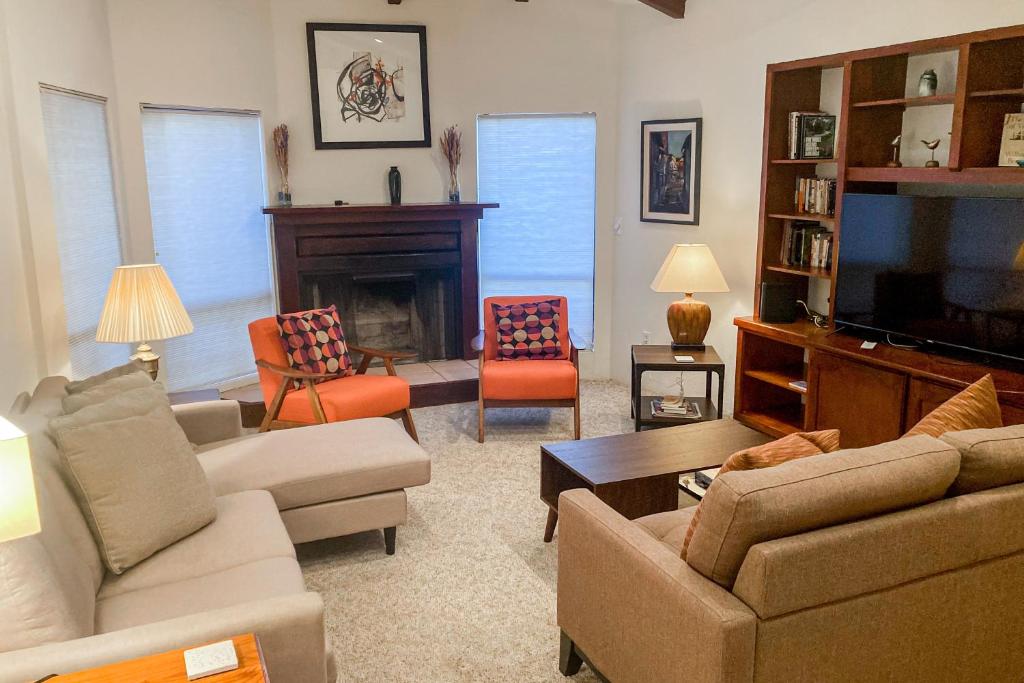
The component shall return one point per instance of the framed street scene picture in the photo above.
(368, 84)
(670, 173)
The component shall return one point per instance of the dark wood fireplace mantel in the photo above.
(371, 238)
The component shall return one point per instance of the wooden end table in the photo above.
(169, 667)
(654, 358)
(638, 474)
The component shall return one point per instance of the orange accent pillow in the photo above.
(976, 407)
(790, 447)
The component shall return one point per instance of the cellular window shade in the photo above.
(85, 216)
(542, 170)
(206, 195)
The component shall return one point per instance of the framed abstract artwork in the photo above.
(368, 84)
(670, 171)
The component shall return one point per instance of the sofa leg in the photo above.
(569, 660)
(389, 539)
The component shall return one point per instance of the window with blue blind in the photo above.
(206, 195)
(542, 169)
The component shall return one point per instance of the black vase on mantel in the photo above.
(395, 185)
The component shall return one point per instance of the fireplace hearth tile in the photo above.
(454, 370)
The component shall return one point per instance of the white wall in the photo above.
(58, 43)
(712, 64)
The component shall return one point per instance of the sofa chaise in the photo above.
(61, 611)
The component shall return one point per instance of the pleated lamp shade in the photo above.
(142, 305)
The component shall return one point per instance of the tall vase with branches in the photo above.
(451, 148)
(284, 195)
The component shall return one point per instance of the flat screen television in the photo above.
(942, 270)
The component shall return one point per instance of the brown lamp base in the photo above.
(688, 323)
(688, 347)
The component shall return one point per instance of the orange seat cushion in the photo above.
(528, 379)
(349, 398)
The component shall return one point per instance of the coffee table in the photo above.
(638, 474)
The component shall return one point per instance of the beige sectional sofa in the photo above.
(901, 562)
(60, 611)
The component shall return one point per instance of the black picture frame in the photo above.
(684, 211)
(318, 137)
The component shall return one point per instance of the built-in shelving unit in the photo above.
(872, 92)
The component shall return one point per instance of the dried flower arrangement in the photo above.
(451, 148)
(281, 155)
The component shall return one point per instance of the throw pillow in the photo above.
(314, 342)
(790, 447)
(107, 390)
(96, 380)
(528, 331)
(135, 474)
(976, 407)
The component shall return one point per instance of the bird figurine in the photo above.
(933, 145)
(896, 163)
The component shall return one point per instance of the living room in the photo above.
(352, 494)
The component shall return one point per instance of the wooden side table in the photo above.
(169, 667)
(652, 358)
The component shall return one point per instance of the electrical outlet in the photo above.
(645, 337)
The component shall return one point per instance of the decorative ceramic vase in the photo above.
(395, 185)
(928, 84)
(454, 192)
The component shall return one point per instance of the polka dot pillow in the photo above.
(528, 331)
(314, 342)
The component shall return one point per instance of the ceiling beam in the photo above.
(673, 8)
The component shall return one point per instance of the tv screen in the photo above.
(948, 270)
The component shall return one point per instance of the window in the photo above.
(206, 194)
(542, 170)
(85, 214)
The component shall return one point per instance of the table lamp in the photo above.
(689, 268)
(142, 306)
(19, 514)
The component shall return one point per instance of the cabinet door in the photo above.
(864, 403)
(925, 396)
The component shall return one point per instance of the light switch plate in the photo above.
(208, 660)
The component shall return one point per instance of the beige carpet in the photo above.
(470, 594)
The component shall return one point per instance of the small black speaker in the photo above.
(778, 302)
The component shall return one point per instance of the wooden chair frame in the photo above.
(309, 379)
(483, 404)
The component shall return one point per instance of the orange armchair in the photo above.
(527, 383)
(334, 400)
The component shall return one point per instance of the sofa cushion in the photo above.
(742, 509)
(101, 392)
(529, 330)
(248, 528)
(90, 382)
(137, 479)
(989, 458)
(319, 463)
(668, 527)
(976, 407)
(270, 578)
(48, 397)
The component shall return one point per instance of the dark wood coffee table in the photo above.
(638, 474)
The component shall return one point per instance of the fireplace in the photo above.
(414, 311)
(403, 276)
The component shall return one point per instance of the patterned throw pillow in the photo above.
(314, 342)
(791, 447)
(528, 331)
(976, 407)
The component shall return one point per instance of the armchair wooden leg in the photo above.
(410, 426)
(274, 409)
(389, 539)
(569, 660)
(480, 421)
(576, 417)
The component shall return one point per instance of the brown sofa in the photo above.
(61, 611)
(860, 565)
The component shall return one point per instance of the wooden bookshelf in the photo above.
(870, 111)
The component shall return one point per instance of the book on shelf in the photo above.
(687, 410)
(799, 384)
(1011, 151)
(812, 135)
(806, 244)
(816, 196)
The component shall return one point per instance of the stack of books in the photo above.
(816, 195)
(806, 245)
(675, 408)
